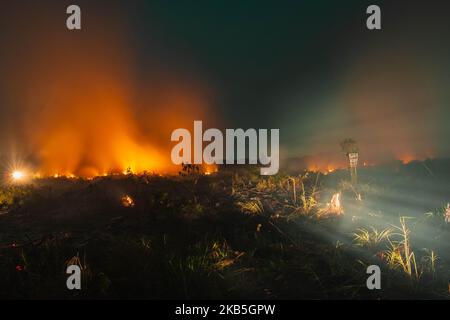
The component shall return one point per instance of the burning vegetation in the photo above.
(76, 107)
(231, 227)
(127, 201)
(93, 130)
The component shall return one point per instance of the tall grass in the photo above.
(304, 201)
(253, 206)
(400, 253)
(371, 238)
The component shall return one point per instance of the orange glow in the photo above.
(209, 169)
(335, 206)
(127, 201)
(324, 167)
(18, 175)
(82, 111)
(405, 159)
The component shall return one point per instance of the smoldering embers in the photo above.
(235, 147)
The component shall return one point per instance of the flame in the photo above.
(324, 168)
(127, 201)
(447, 213)
(335, 206)
(407, 158)
(209, 169)
(82, 108)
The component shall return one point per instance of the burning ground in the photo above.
(230, 234)
(80, 104)
(85, 122)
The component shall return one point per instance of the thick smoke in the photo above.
(74, 102)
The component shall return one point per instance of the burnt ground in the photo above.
(231, 235)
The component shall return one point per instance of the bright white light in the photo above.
(18, 175)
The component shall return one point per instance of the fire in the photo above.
(127, 201)
(447, 213)
(327, 169)
(335, 206)
(82, 112)
(209, 169)
(405, 159)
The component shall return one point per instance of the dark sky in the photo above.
(309, 68)
(251, 50)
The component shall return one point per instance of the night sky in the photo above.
(309, 68)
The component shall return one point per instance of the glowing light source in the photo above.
(127, 201)
(335, 206)
(18, 175)
(447, 213)
(209, 169)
